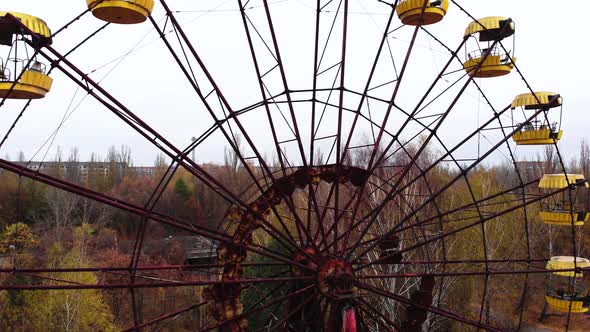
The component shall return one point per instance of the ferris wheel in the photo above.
(365, 204)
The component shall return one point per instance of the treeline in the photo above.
(50, 228)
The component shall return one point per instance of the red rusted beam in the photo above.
(491, 261)
(467, 274)
(155, 284)
(126, 268)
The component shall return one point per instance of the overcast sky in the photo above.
(135, 66)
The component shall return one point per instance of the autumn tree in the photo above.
(16, 241)
(70, 310)
(181, 189)
(17, 237)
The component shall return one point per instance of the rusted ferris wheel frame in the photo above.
(180, 159)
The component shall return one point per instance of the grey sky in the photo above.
(551, 52)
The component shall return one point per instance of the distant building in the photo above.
(195, 250)
(532, 169)
(143, 170)
(76, 169)
(198, 249)
(530, 165)
(80, 171)
(83, 170)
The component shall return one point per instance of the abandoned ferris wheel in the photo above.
(348, 225)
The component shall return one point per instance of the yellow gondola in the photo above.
(409, 11)
(21, 77)
(565, 290)
(494, 60)
(121, 11)
(538, 132)
(559, 211)
(560, 181)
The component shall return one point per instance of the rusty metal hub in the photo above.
(335, 279)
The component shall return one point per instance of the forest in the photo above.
(47, 228)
